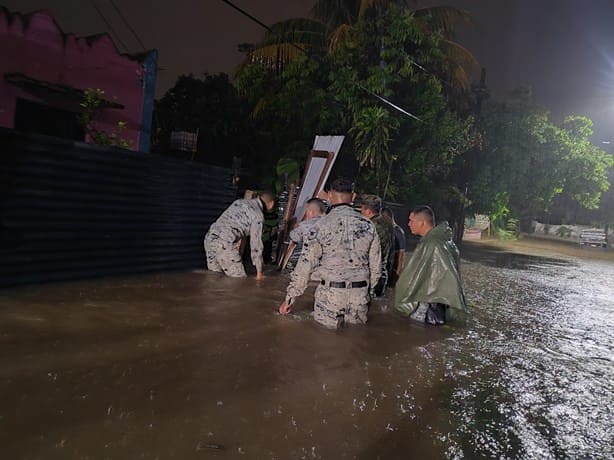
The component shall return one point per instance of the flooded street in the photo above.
(196, 365)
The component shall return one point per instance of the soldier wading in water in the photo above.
(243, 219)
(343, 254)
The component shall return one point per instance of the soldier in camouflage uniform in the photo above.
(343, 254)
(241, 219)
(370, 207)
(314, 210)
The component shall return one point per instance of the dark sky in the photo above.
(564, 49)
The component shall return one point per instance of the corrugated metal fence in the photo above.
(70, 210)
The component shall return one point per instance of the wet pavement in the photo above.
(194, 365)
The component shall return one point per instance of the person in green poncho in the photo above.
(429, 288)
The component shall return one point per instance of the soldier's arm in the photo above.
(296, 234)
(400, 238)
(375, 260)
(312, 251)
(255, 243)
(400, 261)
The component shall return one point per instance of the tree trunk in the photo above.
(458, 226)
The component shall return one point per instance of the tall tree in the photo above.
(210, 105)
(375, 58)
(332, 20)
(528, 161)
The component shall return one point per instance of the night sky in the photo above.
(564, 49)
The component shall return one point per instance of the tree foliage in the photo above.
(330, 73)
(92, 104)
(338, 93)
(211, 106)
(530, 161)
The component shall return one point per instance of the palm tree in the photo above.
(332, 20)
(322, 36)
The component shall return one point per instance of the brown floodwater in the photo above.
(195, 365)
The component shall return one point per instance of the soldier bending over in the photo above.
(241, 219)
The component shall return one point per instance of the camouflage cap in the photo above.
(372, 201)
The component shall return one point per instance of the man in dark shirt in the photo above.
(396, 262)
(370, 207)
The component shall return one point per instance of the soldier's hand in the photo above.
(284, 308)
(259, 276)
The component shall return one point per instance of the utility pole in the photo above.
(481, 93)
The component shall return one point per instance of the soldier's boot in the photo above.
(436, 314)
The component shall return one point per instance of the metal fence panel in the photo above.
(71, 210)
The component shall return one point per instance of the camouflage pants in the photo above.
(335, 306)
(223, 256)
(380, 288)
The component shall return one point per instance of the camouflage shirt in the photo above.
(385, 232)
(303, 230)
(241, 219)
(343, 246)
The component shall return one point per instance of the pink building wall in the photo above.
(34, 45)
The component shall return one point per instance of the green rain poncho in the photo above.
(432, 275)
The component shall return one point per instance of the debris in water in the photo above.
(210, 446)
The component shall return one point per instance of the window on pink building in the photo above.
(35, 118)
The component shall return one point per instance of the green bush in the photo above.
(510, 232)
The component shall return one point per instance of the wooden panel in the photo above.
(71, 210)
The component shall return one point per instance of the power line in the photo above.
(310, 56)
(138, 39)
(256, 20)
(109, 26)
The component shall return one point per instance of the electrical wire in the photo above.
(310, 56)
(112, 31)
(123, 18)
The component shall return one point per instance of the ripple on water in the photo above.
(532, 375)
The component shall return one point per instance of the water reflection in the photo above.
(191, 365)
(542, 368)
(500, 258)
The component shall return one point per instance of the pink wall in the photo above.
(35, 45)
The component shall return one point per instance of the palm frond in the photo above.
(460, 78)
(367, 5)
(336, 12)
(302, 30)
(277, 56)
(462, 64)
(461, 55)
(285, 41)
(443, 18)
(371, 131)
(337, 37)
